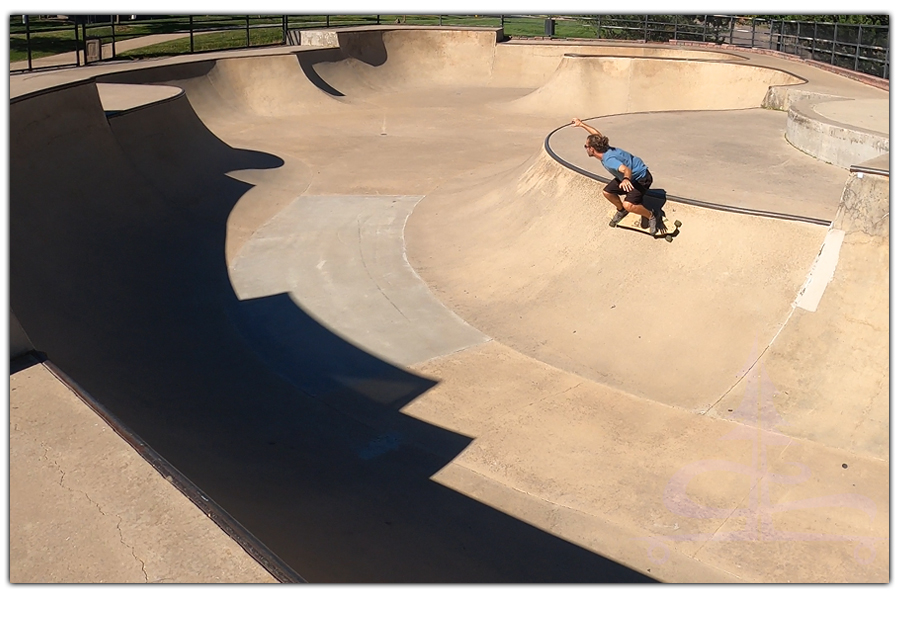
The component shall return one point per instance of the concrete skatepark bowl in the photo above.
(363, 305)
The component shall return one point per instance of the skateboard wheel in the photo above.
(677, 223)
(669, 238)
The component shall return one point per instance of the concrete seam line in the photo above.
(257, 550)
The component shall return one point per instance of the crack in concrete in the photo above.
(554, 395)
(96, 505)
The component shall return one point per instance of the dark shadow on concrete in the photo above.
(118, 274)
(367, 47)
(308, 61)
(159, 75)
(25, 361)
(655, 200)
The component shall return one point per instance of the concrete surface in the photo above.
(342, 259)
(699, 156)
(641, 410)
(840, 143)
(85, 507)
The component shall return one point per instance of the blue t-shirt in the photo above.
(614, 158)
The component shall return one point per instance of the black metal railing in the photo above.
(858, 47)
(59, 41)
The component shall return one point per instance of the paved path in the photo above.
(124, 45)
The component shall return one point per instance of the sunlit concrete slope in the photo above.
(381, 59)
(532, 64)
(597, 85)
(275, 87)
(397, 60)
(127, 291)
(528, 258)
(829, 367)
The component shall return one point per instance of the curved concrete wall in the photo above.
(591, 86)
(530, 249)
(829, 140)
(270, 86)
(403, 58)
(529, 65)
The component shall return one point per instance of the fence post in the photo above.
(752, 33)
(704, 28)
(84, 39)
(834, 43)
(858, 44)
(191, 31)
(646, 26)
(77, 52)
(328, 21)
(248, 31)
(28, 40)
(112, 25)
(815, 36)
(731, 30)
(887, 58)
(284, 29)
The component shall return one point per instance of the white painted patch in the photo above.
(821, 273)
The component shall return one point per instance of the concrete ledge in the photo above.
(865, 205)
(323, 38)
(830, 140)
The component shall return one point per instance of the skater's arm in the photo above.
(625, 184)
(585, 126)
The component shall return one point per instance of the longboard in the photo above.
(668, 236)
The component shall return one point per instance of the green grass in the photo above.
(49, 37)
(209, 42)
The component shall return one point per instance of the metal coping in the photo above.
(280, 570)
(884, 172)
(688, 201)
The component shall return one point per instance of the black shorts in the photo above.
(636, 196)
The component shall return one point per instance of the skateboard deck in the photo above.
(635, 225)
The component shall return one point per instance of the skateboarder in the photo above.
(631, 179)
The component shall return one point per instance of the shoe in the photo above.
(645, 222)
(620, 215)
(652, 224)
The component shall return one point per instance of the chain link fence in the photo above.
(53, 41)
